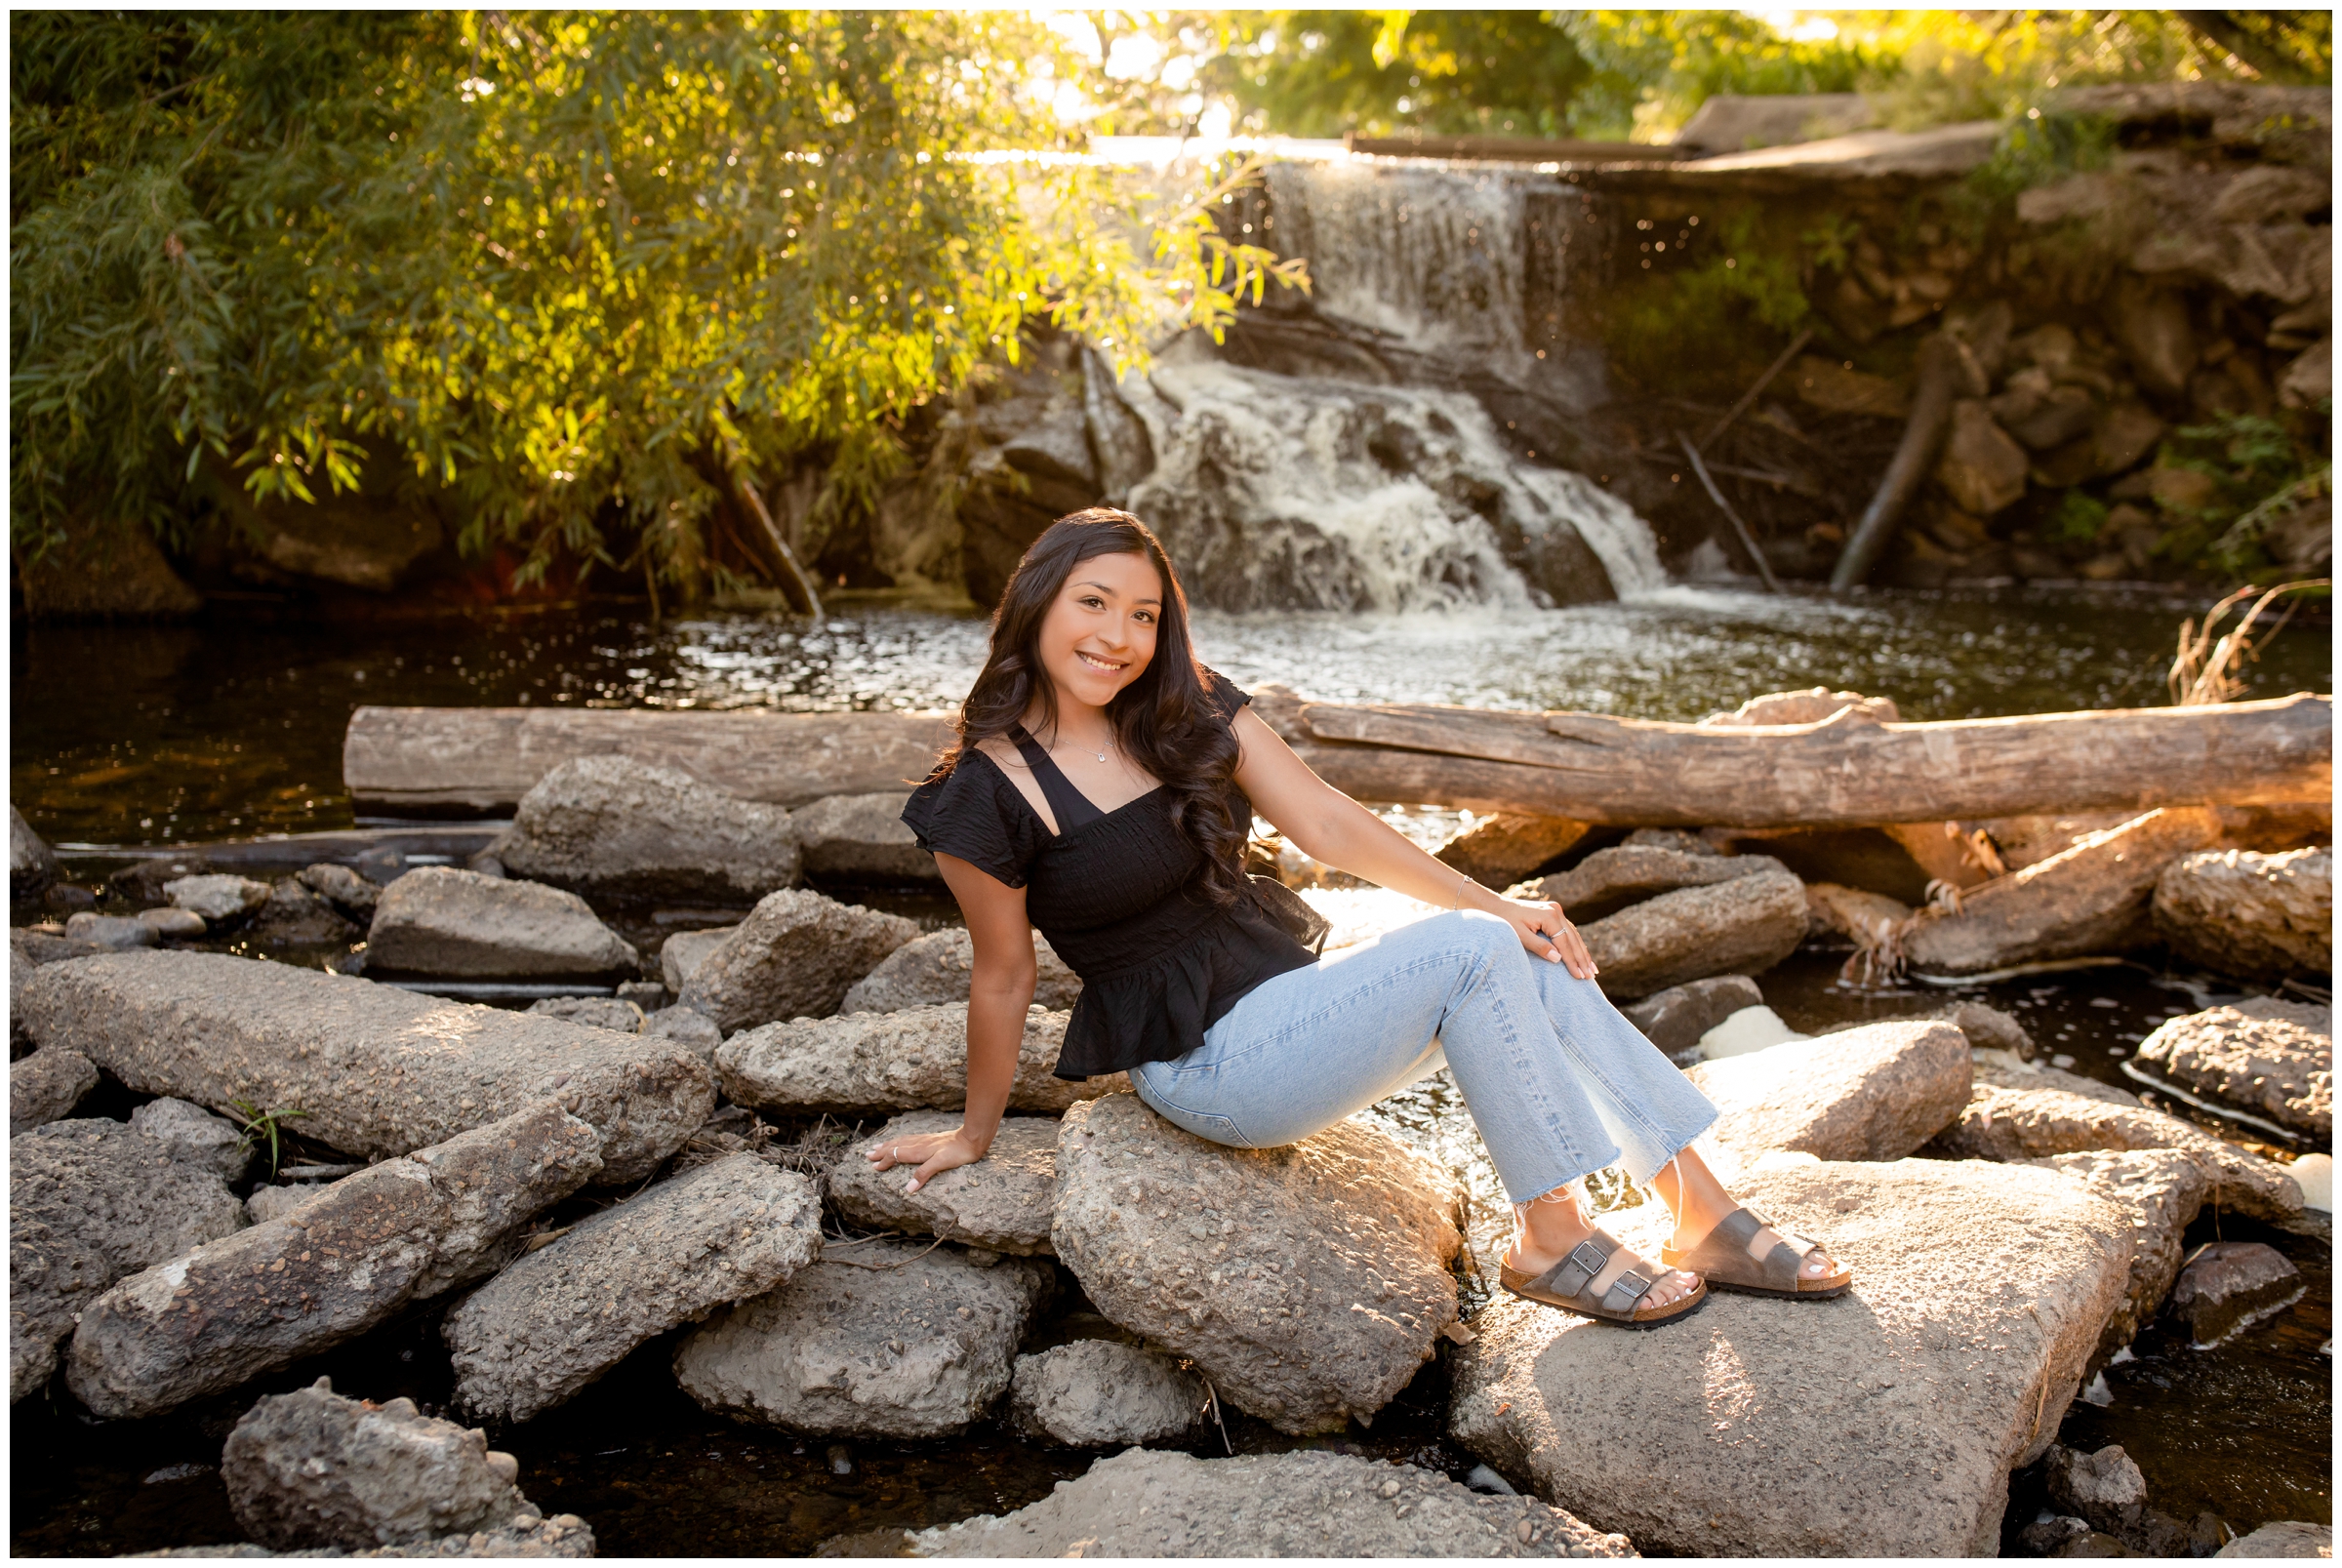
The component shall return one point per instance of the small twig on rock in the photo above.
(1756, 386)
(900, 1262)
(1211, 1402)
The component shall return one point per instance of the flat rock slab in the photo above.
(2162, 1189)
(90, 1201)
(377, 1071)
(1003, 1202)
(2275, 1059)
(1308, 1283)
(438, 920)
(1609, 880)
(913, 1059)
(345, 1261)
(2254, 915)
(312, 1469)
(1874, 1093)
(2027, 1124)
(863, 839)
(1882, 1424)
(611, 826)
(2288, 1538)
(1743, 925)
(561, 1316)
(46, 1085)
(1298, 1505)
(885, 1339)
(795, 956)
(937, 968)
(1103, 1394)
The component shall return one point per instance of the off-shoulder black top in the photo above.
(1120, 897)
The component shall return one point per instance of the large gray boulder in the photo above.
(1874, 1093)
(376, 1071)
(196, 1136)
(1881, 1424)
(346, 1260)
(915, 1058)
(937, 968)
(90, 1201)
(561, 1316)
(312, 1469)
(1298, 1505)
(889, 1339)
(1308, 1283)
(2033, 1124)
(1003, 1202)
(2162, 1189)
(2287, 1538)
(1103, 1394)
(793, 958)
(438, 920)
(1741, 925)
(2273, 1058)
(2256, 916)
(615, 826)
(46, 1085)
(863, 839)
(1612, 879)
(31, 863)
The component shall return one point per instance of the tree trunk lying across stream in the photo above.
(1845, 771)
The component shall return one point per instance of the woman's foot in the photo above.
(1699, 1203)
(1548, 1228)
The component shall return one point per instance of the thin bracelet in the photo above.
(1461, 882)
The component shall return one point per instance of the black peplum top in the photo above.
(1120, 897)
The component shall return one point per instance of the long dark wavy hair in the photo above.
(1163, 721)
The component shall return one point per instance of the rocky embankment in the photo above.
(562, 1186)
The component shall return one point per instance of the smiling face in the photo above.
(1099, 635)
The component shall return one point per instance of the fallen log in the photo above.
(1846, 771)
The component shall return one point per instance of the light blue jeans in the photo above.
(1558, 1082)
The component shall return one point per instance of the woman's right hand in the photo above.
(1547, 933)
(933, 1153)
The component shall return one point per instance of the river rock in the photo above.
(116, 933)
(681, 954)
(916, 1059)
(885, 1339)
(863, 839)
(2254, 915)
(1674, 1019)
(1980, 467)
(2288, 1538)
(1298, 1505)
(438, 920)
(561, 1316)
(296, 917)
(2162, 1189)
(342, 888)
(377, 1071)
(90, 1201)
(2029, 1124)
(194, 1134)
(30, 948)
(1882, 1424)
(1744, 925)
(1103, 1394)
(350, 1259)
(1003, 1202)
(613, 826)
(2104, 1488)
(937, 968)
(795, 956)
(168, 922)
(1874, 1093)
(2228, 1286)
(2089, 899)
(1500, 850)
(312, 1469)
(220, 899)
(46, 1086)
(595, 1012)
(31, 863)
(687, 1026)
(1609, 880)
(1308, 1283)
(2273, 1057)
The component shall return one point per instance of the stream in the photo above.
(132, 737)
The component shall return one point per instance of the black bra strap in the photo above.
(1071, 806)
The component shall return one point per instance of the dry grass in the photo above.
(2205, 671)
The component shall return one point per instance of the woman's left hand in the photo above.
(933, 1153)
(1546, 933)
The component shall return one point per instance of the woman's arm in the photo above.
(999, 993)
(1328, 825)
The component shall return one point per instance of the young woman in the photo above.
(1103, 791)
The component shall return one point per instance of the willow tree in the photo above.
(584, 272)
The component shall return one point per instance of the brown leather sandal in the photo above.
(1602, 1279)
(1723, 1260)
